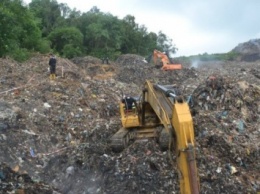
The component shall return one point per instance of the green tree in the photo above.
(70, 51)
(101, 32)
(135, 38)
(150, 42)
(19, 32)
(71, 33)
(49, 13)
(128, 29)
(164, 43)
(74, 19)
(61, 37)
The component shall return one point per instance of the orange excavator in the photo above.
(162, 61)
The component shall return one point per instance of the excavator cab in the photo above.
(129, 117)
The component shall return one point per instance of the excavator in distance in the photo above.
(162, 113)
(162, 61)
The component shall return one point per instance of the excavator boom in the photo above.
(176, 112)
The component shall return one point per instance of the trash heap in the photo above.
(56, 133)
(22, 183)
(249, 51)
(227, 128)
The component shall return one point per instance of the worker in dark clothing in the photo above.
(52, 64)
(105, 60)
(129, 102)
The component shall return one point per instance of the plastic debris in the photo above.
(32, 152)
(219, 170)
(70, 171)
(46, 105)
(233, 170)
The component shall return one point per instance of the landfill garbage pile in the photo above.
(248, 51)
(56, 133)
(22, 183)
(227, 129)
(134, 69)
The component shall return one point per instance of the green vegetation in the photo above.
(210, 57)
(19, 33)
(46, 26)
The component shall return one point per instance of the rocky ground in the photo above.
(54, 135)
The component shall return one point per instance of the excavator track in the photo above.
(120, 140)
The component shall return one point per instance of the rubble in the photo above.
(54, 135)
(13, 182)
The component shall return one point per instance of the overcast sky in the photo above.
(195, 26)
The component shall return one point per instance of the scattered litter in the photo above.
(71, 139)
(32, 152)
(46, 105)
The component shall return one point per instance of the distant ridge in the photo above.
(249, 51)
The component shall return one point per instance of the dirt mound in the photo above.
(57, 132)
(94, 68)
(84, 61)
(131, 59)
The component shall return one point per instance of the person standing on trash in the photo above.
(52, 64)
(107, 60)
(129, 102)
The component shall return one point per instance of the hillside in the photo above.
(249, 51)
(54, 134)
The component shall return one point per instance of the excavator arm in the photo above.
(175, 115)
(184, 133)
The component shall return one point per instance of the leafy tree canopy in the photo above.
(60, 37)
(18, 29)
(45, 24)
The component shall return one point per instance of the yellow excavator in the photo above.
(162, 113)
